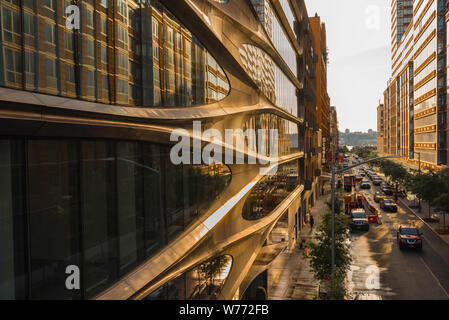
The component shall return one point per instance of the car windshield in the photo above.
(358, 215)
(410, 231)
(386, 201)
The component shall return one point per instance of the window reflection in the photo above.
(102, 205)
(288, 142)
(204, 282)
(153, 61)
(271, 191)
(269, 78)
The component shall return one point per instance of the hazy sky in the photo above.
(358, 38)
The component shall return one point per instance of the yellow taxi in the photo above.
(378, 196)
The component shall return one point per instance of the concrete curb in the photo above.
(429, 226)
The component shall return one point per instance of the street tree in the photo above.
(396, 172)
(321, 253)
(441, 201)
(427, 186)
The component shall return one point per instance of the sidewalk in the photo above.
(425, 214)
(291, 275)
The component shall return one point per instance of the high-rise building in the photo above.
(91, 117)
(334, 134)
(380, 129)
(415, 111)
(323, 100)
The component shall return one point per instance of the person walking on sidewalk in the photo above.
(311, 222)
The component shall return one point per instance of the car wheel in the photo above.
(400, 246)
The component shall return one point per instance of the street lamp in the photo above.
(338, 171)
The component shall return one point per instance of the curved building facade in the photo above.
(96, 96)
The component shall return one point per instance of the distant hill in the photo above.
(358, 138)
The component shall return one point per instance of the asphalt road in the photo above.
(381, 271)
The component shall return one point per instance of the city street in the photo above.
(404, 274)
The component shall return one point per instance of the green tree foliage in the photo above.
(358, 138)
(396, 172)
(212, 268)
(364, 152)
(339, 204)
(427, 186)
(343, 149)
(321, 251)
(441, 199)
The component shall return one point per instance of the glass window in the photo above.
(98, 200)
(54, 216)
(122, 7)
(13, 61)
(49, 33)
(12, 217)
(11, 25)
(90, 76)
(89, 18)
(29, 62)
(90, 48)
(123, 61)
(50, 68)
(68, 40)
(29, 3)
(173, 196)
(104, 82)
(104, 3)
(186, 64)
(154, 222)
(49, 4)
(28, 24)
(104, 54)
(70, 73)
(103, 25)
(130, 203)
(271, 191)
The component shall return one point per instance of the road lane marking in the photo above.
(433, 275)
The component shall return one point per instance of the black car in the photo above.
(384, 185)
(365, 184)
(409, 237)
(377, 181)
(387, 190)
(388, 205)
(358, 220)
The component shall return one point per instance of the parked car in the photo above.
(384, 185)
(378, 196)
(387, 190)
(358, 220)
(409, 237)
(365, 184)
(388, 205)
(377, 181)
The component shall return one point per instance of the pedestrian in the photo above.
(311, 221)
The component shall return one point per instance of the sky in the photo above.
(358, 38)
